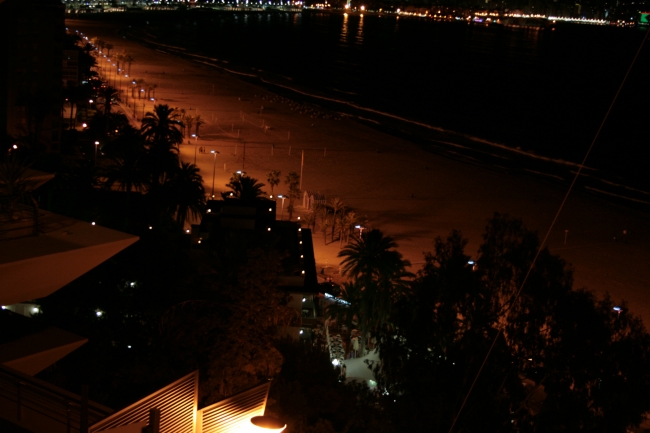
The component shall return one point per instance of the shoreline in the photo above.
(376, 174)
(448, 143)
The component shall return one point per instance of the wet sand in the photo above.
(409, 193)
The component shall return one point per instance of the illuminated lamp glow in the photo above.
(616, 308)
(266, 424)
(92, 223)
(304, 299)
(270, 209)
(301, 331)
(335, 362)
(209, 210)
(150, 227)
(187, 231)
(268, 229)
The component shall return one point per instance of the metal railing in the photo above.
(25, 400)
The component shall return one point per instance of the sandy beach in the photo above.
(409, 193)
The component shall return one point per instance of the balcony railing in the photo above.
(41, 407)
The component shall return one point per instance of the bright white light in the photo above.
(99, 313)
(304, 299)
(301, 331)
(92, 223)
(617, 308)
(4, 308)
(128, 347)
(268, 229)
(132, 284)
(270, 210)
(335, 362)
(209, 210)
(35, 310)
(187, 231)
(150, 227)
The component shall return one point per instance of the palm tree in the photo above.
(74, 94)
(372, 261)
(126, 157)
(198, 122)
(162, 125)
(188, 121)
(119, 57)
(372, 257)
(128, 58)
(322, 210)
(292, 181)
(337, 207)
(347, 221)
(273, 178)
(106, 95)
(140, 84)
(310, 220)
(185, 192)
(352, 293)
(244, 188)
(161, 130)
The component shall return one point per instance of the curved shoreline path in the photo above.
(408, 193)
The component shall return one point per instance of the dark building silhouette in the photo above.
(31, 79)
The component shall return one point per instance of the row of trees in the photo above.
(552, 358)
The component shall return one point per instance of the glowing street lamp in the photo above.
(266, 424)
(361, 228)
(214, 168)
(196, 138)
(282, 211)
(96, 146)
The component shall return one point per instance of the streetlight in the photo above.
(266, 423)
(214, 168)
(196, 138)
(96, 146)
(360, 227)
(282, 211)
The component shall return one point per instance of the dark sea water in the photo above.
(518, 98)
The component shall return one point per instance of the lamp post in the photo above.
(214, 168)
(360, 227)
(96, 146)
(282, 211)
(196, 139)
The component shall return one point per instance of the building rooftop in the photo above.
(33, 266)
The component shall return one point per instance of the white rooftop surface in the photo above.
(32, 267)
